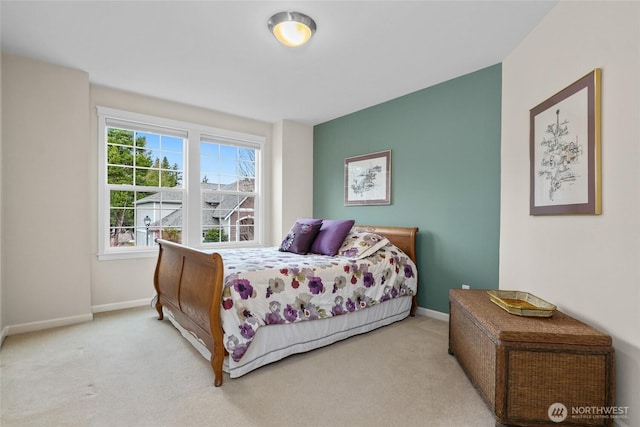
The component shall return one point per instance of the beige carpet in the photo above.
(126, 368)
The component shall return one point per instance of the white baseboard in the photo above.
(47, 324)
(421, 311)
(3, 335)
(121, 305)
(64, 321)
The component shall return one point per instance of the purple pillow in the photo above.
(300, 237)
(331, 235)
(309, 221)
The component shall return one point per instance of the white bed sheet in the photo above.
(276, 342)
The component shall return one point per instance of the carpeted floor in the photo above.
(126, 368)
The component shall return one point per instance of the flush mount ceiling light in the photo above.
(292, 28)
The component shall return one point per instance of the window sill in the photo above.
(153, 252)
(134, 254)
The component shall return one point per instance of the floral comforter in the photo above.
(263, 286)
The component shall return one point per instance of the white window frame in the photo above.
(192, 221)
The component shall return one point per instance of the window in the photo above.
(177, 181)
(228, 182)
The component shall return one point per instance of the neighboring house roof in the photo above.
(174, 219)
(217, 206)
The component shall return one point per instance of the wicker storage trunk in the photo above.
(521, 366)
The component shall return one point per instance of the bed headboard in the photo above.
(402, 237)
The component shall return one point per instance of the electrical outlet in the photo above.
(466, 286)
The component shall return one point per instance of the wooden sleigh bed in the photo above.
(189, 284)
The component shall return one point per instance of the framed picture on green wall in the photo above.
(367, 179)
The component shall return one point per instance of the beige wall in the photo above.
(292, 165)
(587, 265)
(2, 322)
(45, 195)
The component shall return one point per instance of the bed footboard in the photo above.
(189, 283)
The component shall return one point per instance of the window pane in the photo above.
(247, 185)
(228, 183)
(246, 169)
(172, 234)
(156, 161)
(171, 217)
(231, 216)
(122, 199)
(228, 153)
(119, 136)
(171, 143)
(214, 235)
(227, 167)
(210, 209)
(147, 140)
(119, 175)
(137, 218)
(154, 156)
(246, 154)
(226, 164)
(121, 217)
(119, 155)
(247, 162)
(170, 178)
(205, 180)
(209, 149)
(246, 229)
(141, 139)
(162, 211)
(145, 177)
(124, 236)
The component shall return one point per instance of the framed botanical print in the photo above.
(564, 151)
(367, 179)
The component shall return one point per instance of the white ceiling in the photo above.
(219, 54)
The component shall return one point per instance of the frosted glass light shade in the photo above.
(292, 28)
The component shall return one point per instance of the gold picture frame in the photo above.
(367, 179)
(565, 150)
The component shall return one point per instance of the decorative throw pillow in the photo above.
(331, 236)
(309, 221)
(300, 237)
(360, 244)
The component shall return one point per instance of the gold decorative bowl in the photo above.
(521, 303)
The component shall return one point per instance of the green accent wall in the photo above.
(445, 177)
